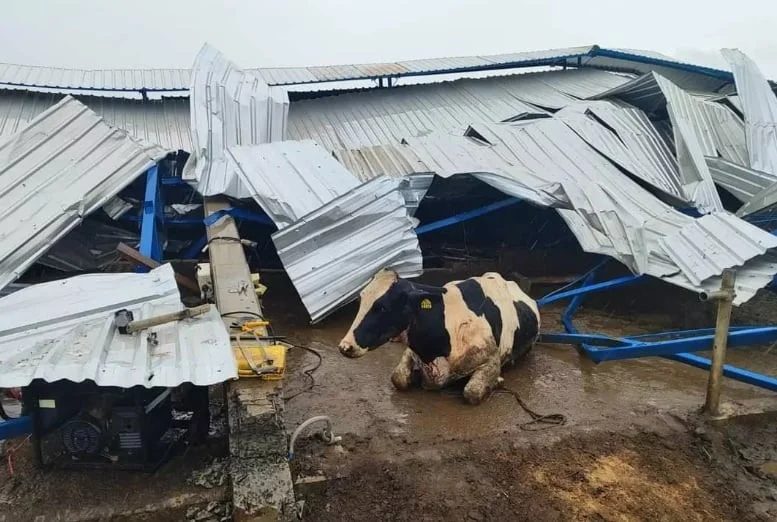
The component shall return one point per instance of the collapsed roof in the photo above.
(621, 143)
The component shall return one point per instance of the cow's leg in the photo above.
(483, 381)
(402, 376)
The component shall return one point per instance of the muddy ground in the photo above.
(633, 446)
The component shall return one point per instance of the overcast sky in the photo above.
(168, 33)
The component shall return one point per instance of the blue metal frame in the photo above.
(15, 427)
(466, 216)
(152, 219)
(673, 345)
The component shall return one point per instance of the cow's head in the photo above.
(382, 315)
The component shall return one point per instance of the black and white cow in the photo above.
(465, 328)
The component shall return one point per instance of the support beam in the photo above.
(261, 480)
(152, 218)
(725, 298)
(466, 216)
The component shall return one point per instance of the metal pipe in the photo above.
(186, 313)
(329, 436)
(725, 298)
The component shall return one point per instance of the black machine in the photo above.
(85, 425)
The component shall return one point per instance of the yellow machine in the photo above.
(257, 357)
(258, 354)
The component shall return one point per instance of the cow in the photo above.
(468, 328)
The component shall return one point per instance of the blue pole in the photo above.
(466, 216)
(152, 218)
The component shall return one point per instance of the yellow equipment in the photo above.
(255, 357)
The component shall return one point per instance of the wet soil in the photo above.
(631, 448)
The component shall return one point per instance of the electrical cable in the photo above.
(549, 421)
(308, 372)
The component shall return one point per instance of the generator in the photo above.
(83, 425)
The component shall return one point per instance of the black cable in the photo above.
(308, 373)
(247, 312)
(224, 238)
(551, 420)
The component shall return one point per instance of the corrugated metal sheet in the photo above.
(332, 253)
(545, 162)
(64, 165)
(629, 222)
(687, 75)
(759, 105)
(629, 139)
(164, 122)
(378, 117)
(762, 201)
(742, 182)
(95, 79)
(229, 107)
(717, 128)
(289, 179)
(65, 330)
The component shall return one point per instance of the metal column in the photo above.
(257, 440)
(152, 220)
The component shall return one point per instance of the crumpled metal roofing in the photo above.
(703, 78)
(164, 122)
(289, 179)
(66, 330)
(229, 107)
(63, 165)
(378, 117)
(545, 162)
(331, 253)
(759, 105)
(742, 182)
(626, 136)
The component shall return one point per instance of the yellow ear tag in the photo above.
(426, 304)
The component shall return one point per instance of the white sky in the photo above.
(168, 33)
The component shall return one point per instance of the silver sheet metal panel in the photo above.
(95, 79)
(638, 61)
(626, 136)
(545, 162)
(63, 165)
(66, 330)
(228, 108)
(378, 117)
(742, 182)
(759, 105)
(332, 253)
(164, 122)
(289, 179)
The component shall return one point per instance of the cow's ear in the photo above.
(420, 301)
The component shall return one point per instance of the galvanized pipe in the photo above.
(725, 298)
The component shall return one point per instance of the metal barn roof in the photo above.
(636, 61)
(63, 165)
(65, 330)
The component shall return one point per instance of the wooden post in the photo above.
(725, 298)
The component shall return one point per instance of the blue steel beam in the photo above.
(590, 289)
(15, 427)
(766, 382)
(466, 216)
(152, 218)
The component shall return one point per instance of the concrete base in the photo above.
(262, 488)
